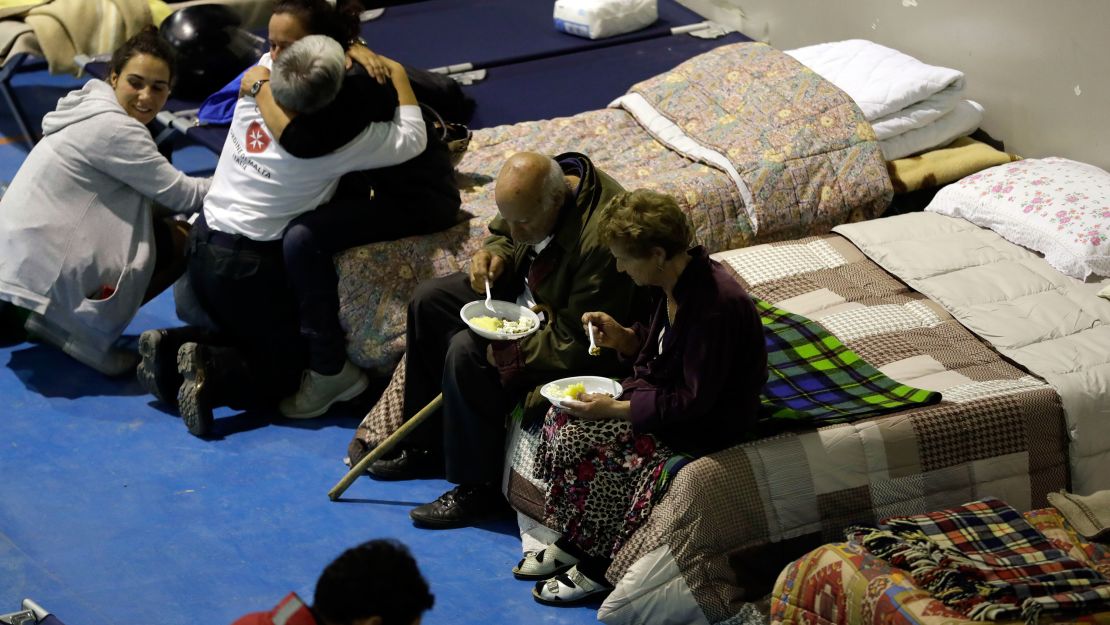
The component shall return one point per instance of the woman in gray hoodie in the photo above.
(77, 232)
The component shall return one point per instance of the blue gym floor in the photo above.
(111, 513)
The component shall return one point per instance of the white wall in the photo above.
(1041, 68)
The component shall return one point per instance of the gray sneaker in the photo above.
(318, 392)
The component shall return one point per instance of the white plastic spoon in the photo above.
(489, 297)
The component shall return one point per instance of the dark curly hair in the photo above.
(376, 578)
(146, 41)
(319, 17)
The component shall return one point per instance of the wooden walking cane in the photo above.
(408, 426)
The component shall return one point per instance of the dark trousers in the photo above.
(442, 354)
(242, 286)
(311, 241)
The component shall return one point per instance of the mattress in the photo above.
(731, 520)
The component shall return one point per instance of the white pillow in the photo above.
(1055, 206)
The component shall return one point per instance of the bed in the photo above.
(754, 146)
(732, 520)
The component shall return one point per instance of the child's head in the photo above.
(379, 579)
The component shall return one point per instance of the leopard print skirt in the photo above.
(602, 479)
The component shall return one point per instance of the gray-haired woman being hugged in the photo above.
(697, 370)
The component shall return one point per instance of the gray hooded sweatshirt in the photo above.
(77, 218)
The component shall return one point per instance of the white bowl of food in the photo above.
(507, 321)
(570, 388)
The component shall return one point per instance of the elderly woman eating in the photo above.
(697, 370)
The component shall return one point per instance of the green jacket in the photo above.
(584, 278)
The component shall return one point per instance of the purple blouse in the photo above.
(701, 394)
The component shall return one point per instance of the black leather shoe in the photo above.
(410, 464)
(461, 506)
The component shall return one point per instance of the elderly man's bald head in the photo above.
(529, 192)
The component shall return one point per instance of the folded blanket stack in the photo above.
(911, 105)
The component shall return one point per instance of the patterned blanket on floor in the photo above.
(801, 148)
(984, 560)
(844, 584)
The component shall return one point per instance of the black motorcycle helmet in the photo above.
(211, 48)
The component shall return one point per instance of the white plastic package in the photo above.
(596, 19)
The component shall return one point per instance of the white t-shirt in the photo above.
(258, 187)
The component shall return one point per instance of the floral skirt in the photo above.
(602, 479)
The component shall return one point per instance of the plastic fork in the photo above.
(489, 297)
(594, 349)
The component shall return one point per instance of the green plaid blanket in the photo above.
(816, 378)
(985, 560)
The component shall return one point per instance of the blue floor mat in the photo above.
(112, 514)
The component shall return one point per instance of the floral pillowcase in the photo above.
(1055, 206)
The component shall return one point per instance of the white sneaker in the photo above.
(318, 392)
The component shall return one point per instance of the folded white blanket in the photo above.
(917, 115)
(959, 122)
(882, 81)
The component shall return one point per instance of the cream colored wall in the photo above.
(1040, 68)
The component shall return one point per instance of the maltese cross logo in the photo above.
(257, 139)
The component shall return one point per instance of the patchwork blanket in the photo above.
(987, 562)
(1054, 326)
(844, 584)
(802, 152)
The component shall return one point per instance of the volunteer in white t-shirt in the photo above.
(235, 263)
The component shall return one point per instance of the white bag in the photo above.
(595, 19)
